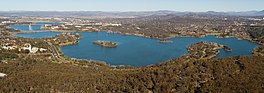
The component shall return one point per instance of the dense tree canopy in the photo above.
(233, 74)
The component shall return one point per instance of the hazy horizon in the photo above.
(132, 6)
(115, 11)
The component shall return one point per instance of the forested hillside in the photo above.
(227, 75)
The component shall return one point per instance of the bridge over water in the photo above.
(30, 29)
(33, 31)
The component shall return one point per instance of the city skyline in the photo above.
(135, 5)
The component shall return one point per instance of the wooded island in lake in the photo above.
(106, 44)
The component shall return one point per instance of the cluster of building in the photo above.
(91, 26)
(6, 20)
(170, 26)
(24, 47)
(256, 19)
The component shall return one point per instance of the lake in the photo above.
(139, 51)
(39, 34)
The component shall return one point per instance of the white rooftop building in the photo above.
(2, 75)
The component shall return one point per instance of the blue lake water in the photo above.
(39, 34)
(139, 51)
(44, 34)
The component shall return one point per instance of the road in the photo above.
(56, 54)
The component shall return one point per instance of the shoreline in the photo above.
(144, 36)
(124, 35)
(171, 36)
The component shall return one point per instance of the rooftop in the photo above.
(2, 75)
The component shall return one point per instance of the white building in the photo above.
(2, 75)
(42, 49)
(112, 24)
(78, 26)
(31, 49)
(9, 46)
(34, 50)
(27, 46)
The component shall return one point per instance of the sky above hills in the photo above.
(131, 5)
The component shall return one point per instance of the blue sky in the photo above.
(132, 5)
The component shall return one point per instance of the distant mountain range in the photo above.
(121, 14)
(246, 13)
(260, 12)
